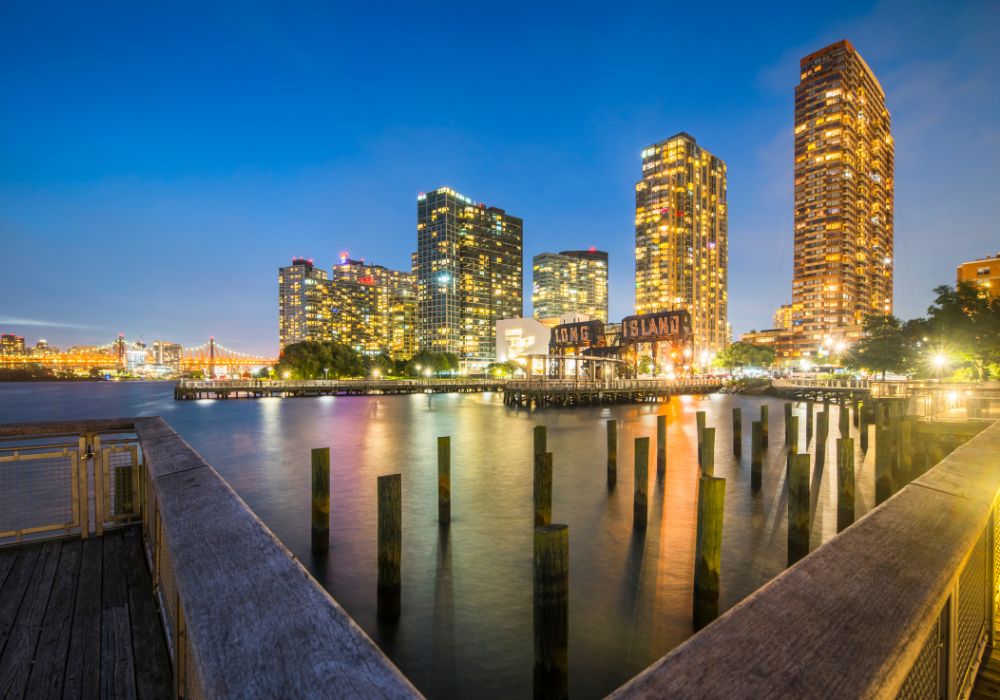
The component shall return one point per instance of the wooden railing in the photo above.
(333, 384)
(610, 384)
(242, 617)
(901, 604)
(817, 383)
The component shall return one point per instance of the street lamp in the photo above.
(286, 374)
(427, 372)
(940, 361)
(376, 373)
(326, 370)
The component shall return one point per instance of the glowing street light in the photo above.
(286, 374)
(376, 373)
(939, 360)
(427, 372)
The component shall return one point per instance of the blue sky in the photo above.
(160, 161)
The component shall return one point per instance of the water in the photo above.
(466, 623)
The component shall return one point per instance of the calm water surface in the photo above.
(466, 623)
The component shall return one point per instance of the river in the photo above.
(466, 623)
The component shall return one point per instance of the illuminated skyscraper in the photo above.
(469, 275)
(570, 282)
(303, 303)
(682, 239)
(843, 200)
(374, 308)
(11, 344)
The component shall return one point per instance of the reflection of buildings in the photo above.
(681, 237)
(517, 337)
(11, 344)
(570, 282)
(468, 266)
(984, 273)
(303, 303)
(374, 308)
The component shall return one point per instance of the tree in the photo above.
(506, 369)
(741, 354)
(319, 360)
(436, 362)
(968, 324)
(884, 347)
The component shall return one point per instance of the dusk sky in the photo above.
(159, 162)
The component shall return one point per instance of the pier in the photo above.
(193, 389)
(539, 393)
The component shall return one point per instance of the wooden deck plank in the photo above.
(117, 669)
(8, 555)
(49, 668)
(14, 589)
(83, 672)
(19, 653)
(153, 675)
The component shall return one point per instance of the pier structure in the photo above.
(542, 392)
(187, 389)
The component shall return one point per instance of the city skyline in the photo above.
(103, 191)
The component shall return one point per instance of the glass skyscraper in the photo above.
(570, 282)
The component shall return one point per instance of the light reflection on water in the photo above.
(466, 623)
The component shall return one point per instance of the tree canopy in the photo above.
(309, 359)
(436, 362)
(885, 347)
(965, 325)
(740, 354)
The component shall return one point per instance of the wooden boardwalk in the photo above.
(78, 620)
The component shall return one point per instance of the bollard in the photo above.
(788, 424)
(444, 479)
(612, 453)
(737, 431)
(708, 452)
(661, 445)
(809, 421)
(320, 499)
(541, 439)
(390, 544)
(798, 508)
(763, 425)
(551, 611)
(883, 465)
(543, 489)
(708, 549)
(640, 483)
(845, 483)
(700, 422)
(756, 454)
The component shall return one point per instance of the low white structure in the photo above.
(517, 337)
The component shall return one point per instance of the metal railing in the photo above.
(241, 616)
(610, 384)
(817, 383)
(360, 384)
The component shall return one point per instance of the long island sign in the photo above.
(656, 327)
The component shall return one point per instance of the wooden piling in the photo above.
(863, 424)
(883, 465)
(708, 452)
(640, 483)
(756, 454)
(763, 425)
(844, 424)
(708, 549)
(551, 611)
(390, 543)
(904, 452)
(822, 431)
(737, 431)
(788, 424)
(856, 406)
(444, 480)
(809, 421)
(612, 452)
(845, 483)
(661, 445)
(543, 489)
(793, 434)
(320, 499)
(700, 422)
(798, 508)
(541, 439)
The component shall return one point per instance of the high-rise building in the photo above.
(469, 275)
(303, 303)
(570, 282)
(374, 308)
(984, 273)
(843, 200)
(682, 238)
(167, 354)
(782, 317)
(11, 344)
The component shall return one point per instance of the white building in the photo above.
(517, 337)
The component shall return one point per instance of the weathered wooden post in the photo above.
(788, 424)
(822, 431)
(856, 406)
(845, 419)
(809, 421)
(883, 465)
(551, 607)
(320, 499)
(763, 425)
(661, 445)
(444, 479)
(756, 454)
(737, 431)
(863, 426)
(798, 508)
(904, 451)
(612, 453)
(640, 483)
(708, 452)
(845, 483)
(541, 439)
(793, 434)
(708, 549)
(390, 544)
(543, 489)
(699, 418)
